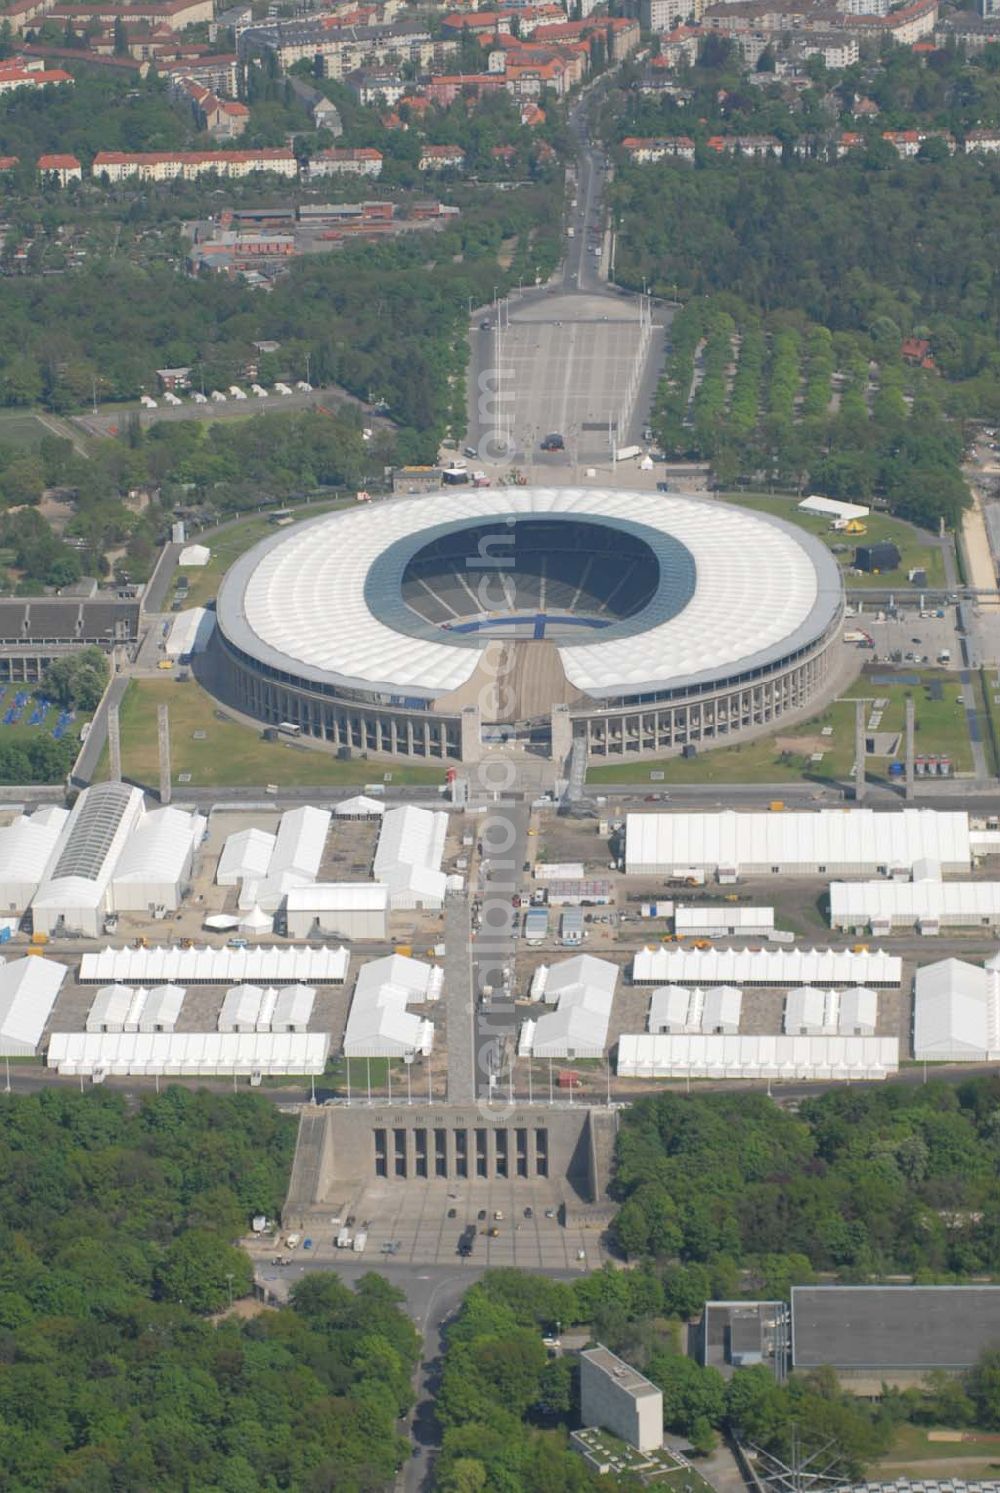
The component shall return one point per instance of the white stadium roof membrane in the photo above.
(299, 602)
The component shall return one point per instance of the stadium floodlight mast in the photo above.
(813, 1472)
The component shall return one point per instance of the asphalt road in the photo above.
(433, 1295)
(570, 357)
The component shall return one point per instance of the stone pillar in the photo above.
(114, 745)
(163, 736)
(471, 747)
(411, 1153)
(910, 748)
(562, 734)
(859, 750)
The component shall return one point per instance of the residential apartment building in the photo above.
(667, 15)
(217, 72)
(447, 87)
(907, 143)
(59, 168)
(30, 73)
(347, 161)
(441, 158)
(644, 151)
(982, 142)
(153, 166)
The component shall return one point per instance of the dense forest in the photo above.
(846, 246)
(386, 320)
(116, 1230)
(861, 1181)
(779, 400)
(506, 1404)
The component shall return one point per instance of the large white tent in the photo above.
(928, 903)
(155, 864)
(262, 964)
(361, 806)
(246, 855)
(810, 1012)
(76, 887)
(721, 920)
(28, 990)
(408, 856)
(109, 1010)
(833, 508)
(295, 860)
(293, 1009)
(583, 988)
(240, 1010)
(378, 1024)
(834, 842)
(956, 1012)
(778, 1058)
(26, 847)
(190, 632)
(254, 1055)
(161, 1009)
(666, 965)
(343, 909)
(676, 1009)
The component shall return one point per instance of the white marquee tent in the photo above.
(665, 965)
(161, 1009)
(676, 1009)
(263, 964)
(360, 807)
(76, 887)
(190, 632)
(584, 989)
(346, 909)
(28, 990)
(834, 842)
(379, 1025)
(246, 855)
(26, 847)
(155, 864)
(928, 903)
(240, 1011)
(779, 1058)
(408, 856)
(198, 1054)
(956, 1012)
(109, 1010)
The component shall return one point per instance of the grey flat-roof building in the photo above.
(739, 1334)
(893, 1331)
(620, 1399)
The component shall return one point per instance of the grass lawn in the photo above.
(916, 550)
(20, 733)
(22, 432)
(940, 729)
(231, 754)
(226, 547)
(912, 1445)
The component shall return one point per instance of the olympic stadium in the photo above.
(434, 627)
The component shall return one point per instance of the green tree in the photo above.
(204, 1272)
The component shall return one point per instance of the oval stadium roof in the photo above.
(300, 601)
